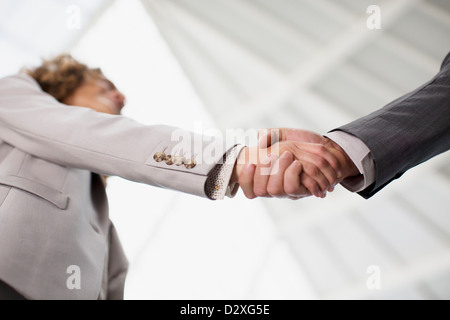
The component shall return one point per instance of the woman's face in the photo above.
(97, 94)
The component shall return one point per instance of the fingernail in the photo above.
(339, 174)
(318, 192)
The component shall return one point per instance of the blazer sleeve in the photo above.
(408, 131)
(33, 121)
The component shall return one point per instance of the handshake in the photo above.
(291, 163)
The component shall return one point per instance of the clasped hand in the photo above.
(292, 163)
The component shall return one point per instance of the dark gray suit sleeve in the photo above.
(408, 131)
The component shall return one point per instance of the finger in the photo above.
(331, 160)
(246, 180)
(317, 167)
(331, 188)
(311, 185)
(314, 167)
(262, 175)
(321, 170)
(319, 184)
(292, 184)
(275, 186)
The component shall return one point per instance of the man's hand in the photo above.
(279, 169)
(312, 164)
(267, 137)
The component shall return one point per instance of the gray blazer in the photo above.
(53, 205)
(408, 131)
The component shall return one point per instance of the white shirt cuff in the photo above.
(360, 154)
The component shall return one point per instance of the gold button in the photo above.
(190, 164)
(217, 188)
(178, 160)
(169, 160)
(159, 156)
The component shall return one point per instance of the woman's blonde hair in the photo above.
(61, 76)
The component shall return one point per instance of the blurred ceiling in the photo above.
(303, 57)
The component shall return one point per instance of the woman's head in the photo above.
(74, 83)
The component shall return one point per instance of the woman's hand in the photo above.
(288, 169)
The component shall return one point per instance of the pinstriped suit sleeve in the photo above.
(408, 131)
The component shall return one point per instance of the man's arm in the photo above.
(408, 131)
(360, 155)
(380, 147)
(308, 164)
